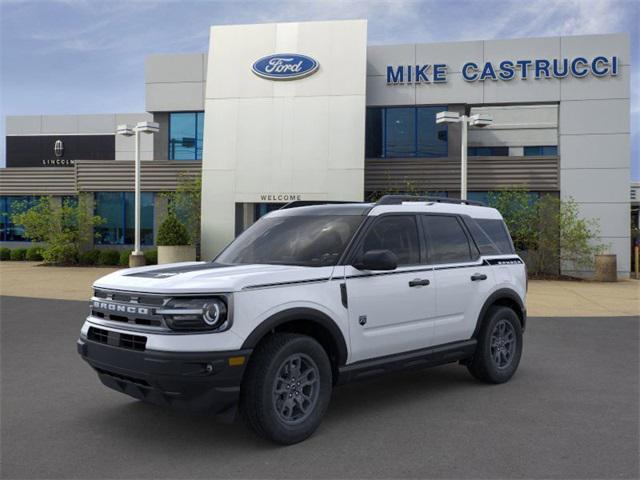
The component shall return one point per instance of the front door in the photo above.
(391, 311)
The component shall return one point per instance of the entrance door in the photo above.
(391, 311)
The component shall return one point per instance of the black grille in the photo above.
(139, 298)
(116, 339)
(126, 378)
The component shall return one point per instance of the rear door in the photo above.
(462, 280)
(391, 311)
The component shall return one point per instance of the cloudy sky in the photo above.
(87, 56)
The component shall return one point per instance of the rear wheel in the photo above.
(499, 346)
(287, 388)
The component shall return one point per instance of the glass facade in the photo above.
(541, 151)
(185, 135)
(117, 209)
(484, 197)
(8, 206)
(405, 132)
(488, 151)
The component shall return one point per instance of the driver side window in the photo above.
(398, 234)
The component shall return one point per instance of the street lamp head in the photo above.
(126, 130)
(480, 120)
(447, 117)
(148, 127)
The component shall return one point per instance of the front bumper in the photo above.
(197, 381)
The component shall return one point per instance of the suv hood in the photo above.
(207, 277)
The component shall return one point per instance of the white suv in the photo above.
(309, 297)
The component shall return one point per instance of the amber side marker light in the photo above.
(236, 361)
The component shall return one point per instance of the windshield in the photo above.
(312, 241)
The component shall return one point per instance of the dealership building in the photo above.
(309, 111)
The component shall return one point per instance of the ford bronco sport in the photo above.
(310, 297)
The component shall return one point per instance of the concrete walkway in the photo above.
(545, 298)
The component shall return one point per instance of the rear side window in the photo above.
(446, 240)
(398, 234)
(496, 230)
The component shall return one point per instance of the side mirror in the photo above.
(377, 260)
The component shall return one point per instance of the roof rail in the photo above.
(399, 199)
(308, 203)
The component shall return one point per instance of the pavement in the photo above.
(544, 299)
(571, 411)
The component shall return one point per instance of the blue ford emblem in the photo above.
(284, 66)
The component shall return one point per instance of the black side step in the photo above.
(426, 357)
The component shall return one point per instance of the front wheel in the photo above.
(499, 346)
(287, 388)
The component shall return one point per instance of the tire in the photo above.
(271, 403)
(499, 346)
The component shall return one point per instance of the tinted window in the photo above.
(488, 151)
(312, 241)
(400, 132)
(117, 211)
(398, 234)
(373, 136)
(185, 135)
(405, 132)
(446, 240)
(497, 232)
(482, 240)
(541, 151)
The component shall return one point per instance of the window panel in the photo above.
(497, 232)
(9, 232)
(374, 133)
(185, 135)
(432, 137)
(399, 234)
(400, 134)
(446, 240)
(118, 209)
(488, 151)
(541, 151)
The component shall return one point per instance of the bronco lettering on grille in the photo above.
(116, 307)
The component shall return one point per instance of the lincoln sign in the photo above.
(506, 70)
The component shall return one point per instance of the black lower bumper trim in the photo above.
(198, 381)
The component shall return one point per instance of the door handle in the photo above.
(419, 283)
(478, 276)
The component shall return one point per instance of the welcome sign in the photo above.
(506, 70)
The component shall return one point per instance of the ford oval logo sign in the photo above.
(285, 66)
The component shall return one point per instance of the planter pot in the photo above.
(176, 253)
(606, 268)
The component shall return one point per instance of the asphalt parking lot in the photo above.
(571, 412)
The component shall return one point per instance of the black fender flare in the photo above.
(495, 297)
(300, 314)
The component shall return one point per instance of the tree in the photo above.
(64, 227)
(184, 203)
(548, 232)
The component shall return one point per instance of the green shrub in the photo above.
(109, 257)
(172, 232)
(64, 227)
(90, 257)
(124, 258)
(34, 254)
(61, 254)
(5, 254)
(151, 257)
(18, 254)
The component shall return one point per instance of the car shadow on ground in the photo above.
(382, 396)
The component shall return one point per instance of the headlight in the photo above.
(196, 314)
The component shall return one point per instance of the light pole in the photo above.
(136, 259)
(477, 120)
